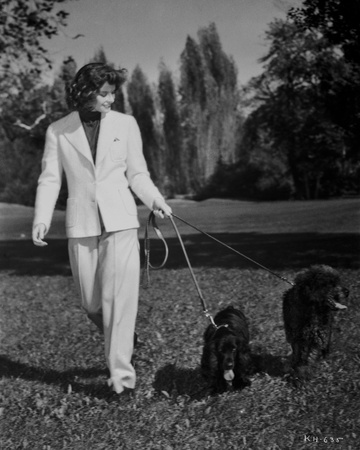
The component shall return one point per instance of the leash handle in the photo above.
(151, 220)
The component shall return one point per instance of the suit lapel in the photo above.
(106, 136)
(75, 134)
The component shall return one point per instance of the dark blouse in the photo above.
(91, 123)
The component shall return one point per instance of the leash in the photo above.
(233, 250)
(148, 265)
(152, 220)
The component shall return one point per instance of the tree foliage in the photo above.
(142, 104)
(23, 26)
(292, 96)
(173, 137)
(298, 136)
(209, 99)
(339, 22)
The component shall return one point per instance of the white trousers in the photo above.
(106, 271)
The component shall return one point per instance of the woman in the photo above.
(100, 151)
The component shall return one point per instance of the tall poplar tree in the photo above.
(176, 169)
(141, 101)
(192, 109)
(209, 105)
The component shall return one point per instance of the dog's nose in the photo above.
(229, 364)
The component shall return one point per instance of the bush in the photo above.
(247, 182)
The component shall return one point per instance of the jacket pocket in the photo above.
(71, 212)
(128, 202)
(118, 150)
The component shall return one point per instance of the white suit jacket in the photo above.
(103, 186)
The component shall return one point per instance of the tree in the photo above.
(209, 101)
(339, 22)
(22, 142)
(291, 94)
(57, 95)
(171, 123)
(192, 106)
(142, 104)
(23, 25)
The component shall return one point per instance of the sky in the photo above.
(146, 32)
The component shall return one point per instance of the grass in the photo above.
(53, 392)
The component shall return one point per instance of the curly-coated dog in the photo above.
(308, 312)
(226, 358)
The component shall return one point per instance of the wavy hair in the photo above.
(81, 92)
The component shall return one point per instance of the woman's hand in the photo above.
(38, 234)
(161, 208)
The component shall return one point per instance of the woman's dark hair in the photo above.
(81, 92)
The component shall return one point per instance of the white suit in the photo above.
(103, 251)
(104, 186)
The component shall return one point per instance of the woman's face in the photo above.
(105, 98)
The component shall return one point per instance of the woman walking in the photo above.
(100, 152)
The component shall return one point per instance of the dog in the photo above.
(226, 359)
(308, 313)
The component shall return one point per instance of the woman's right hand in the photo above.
(38, 234)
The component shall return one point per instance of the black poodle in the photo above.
(225, 361)
(308, 312)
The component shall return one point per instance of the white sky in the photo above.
(145, 32)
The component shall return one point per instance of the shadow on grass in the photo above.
(273, 365)
(275, 251)
(172, 380)
(86, 385)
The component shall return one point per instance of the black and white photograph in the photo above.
(179, 224)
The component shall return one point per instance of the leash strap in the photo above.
(151, 220)
(205, 310)
(233, 250)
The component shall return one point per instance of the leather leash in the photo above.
(233, 250)
(148, 265)
(151, 220)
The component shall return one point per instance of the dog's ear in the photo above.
(209, 362)
(242, 345)
(212, 346)
(209, 333)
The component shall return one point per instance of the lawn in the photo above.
(53, 392)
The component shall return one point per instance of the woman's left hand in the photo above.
(161, 208)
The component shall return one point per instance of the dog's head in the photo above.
(321, 285)
(227, 348)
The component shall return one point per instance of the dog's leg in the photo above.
(326, 350)
(296, 354)
(300, 371)
(242, 369)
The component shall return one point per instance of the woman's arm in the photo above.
(48, 186)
